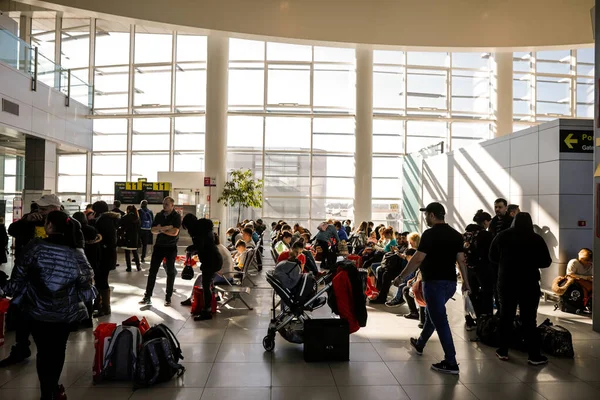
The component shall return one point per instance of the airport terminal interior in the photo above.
(400, 114)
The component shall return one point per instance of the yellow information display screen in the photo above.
(135, 192)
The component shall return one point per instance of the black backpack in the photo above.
(556, 340)
(488, 330)
(120, 360)
(161, 331)
(156, 363)
(572, 301)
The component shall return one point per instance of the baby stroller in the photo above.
(289, 318)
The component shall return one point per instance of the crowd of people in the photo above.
(62, 265)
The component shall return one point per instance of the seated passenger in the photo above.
(298, 248)
(247, 237)
(284, 243)
(341, 231)
(239, 257)
(582, 268)
(398, 299)
(233, 235)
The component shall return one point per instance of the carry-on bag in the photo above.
(102, 335)
(198, 301)
(326, 340)
(556, 340)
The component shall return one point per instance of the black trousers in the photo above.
(22, 330)
(146, 237)
(527, 297)
(170, 253)
(481, 280)
(51, 341)
(136, 258)
(410, 301)
(207, 282)
(108, 262)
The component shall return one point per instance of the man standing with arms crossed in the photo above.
(440, 248)
(166, 225)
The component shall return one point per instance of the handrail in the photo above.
(20, 55)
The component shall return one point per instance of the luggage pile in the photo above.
(134, 351)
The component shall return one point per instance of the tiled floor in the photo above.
(225, 359)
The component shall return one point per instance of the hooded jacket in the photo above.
(130, 226)
(204, 245)
(52, 282)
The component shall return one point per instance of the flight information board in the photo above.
(135, 192)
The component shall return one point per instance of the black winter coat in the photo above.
(130, 226)
(106, 225)
(52, 282)
(478, 256)
(3, 244)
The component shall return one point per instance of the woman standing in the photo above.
(106, 223)
(130, 229)
(519, 253)
(50, 285)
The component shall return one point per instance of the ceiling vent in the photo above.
(10, 107)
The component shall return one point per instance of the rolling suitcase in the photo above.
(326, 340)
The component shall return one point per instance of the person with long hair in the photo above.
(519, 253)
(50, 285)
(477, 248)
(129, 231)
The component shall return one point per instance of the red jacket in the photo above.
(344, 298)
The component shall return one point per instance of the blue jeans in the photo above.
(437, 294)
(398, 295)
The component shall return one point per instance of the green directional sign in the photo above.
(576, 141)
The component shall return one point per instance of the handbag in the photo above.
(188, 270)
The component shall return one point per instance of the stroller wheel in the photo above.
(269, 343)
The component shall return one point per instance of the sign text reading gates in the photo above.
(576, 141)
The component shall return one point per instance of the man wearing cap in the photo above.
(440, 248)
(29, 227)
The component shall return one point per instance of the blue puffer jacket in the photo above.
(51, 282)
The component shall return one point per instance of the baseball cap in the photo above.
(436, 208)
(48, 200)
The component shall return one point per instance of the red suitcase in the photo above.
(4, 304)
(102, 335)
(198, 301)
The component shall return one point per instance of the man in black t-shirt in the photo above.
(440, 248)
(166, 225)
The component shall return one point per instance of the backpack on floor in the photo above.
(198, 301)
(556, 340)
(102, 335)
(162, 331)
(572, 301)
(157, 363)
(488, 330)
(121, 356)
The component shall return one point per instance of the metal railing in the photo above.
(26, 58)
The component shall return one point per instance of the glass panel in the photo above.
(105, 184)
(108, 164)
(152, 47)
(585, 55)
(470, 92)
(423, 134)
(287, 174)
(75, 43)
(188, 162)
(72, 164)
(476, 130)
(152, 87)
(151, 133)
(111, 87)
(388, 136)
(388, 57)
(554, 62)
(471, 60)
(245, 132)
(386, 212)
(334, 54)
(388, 88)
(585, 98)
(553, 96)
(246, 87)
(43, 33)
(460, 143)
(427, 89)
(189, 133)
(334, 88)
(387, 188)
(428, 58)
(333, 165)
(112, 43)
(288, 52)
(387, 167)
(287, 133)
(334, 134)
(109, 142)
(331, 208)
(190, 87)
(331, 187)
(285, 208)
(149, 165)
(246, 50)
(191, 47)
(251, 161)
(290, 86)
(71, 184)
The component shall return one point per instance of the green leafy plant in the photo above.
(242, 191)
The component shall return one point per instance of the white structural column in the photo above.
(363, 156)
(504, 93)
(215, 155)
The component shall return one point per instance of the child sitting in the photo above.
(239, 258)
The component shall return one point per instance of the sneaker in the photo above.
(128, 270)
(502, 354)
(146, 301)
(167, 302)
(187, 302)
(538, 360)
(139, 267)
(394, 303)
(16, 356)
(418, 349)
(411, 316)
(445, 368)
(203, 316)
(470, 323)
(421, 325)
